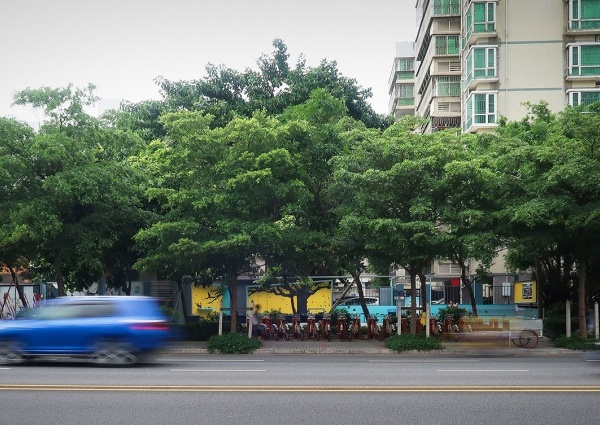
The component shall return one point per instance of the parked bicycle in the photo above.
(354, 329)
(527, 338)
(325, 328)
(282, 328)
(296, 328)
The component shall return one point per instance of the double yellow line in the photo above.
(309, 388)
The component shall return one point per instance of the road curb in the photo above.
(450, 350)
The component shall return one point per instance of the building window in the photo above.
(447, 86)
(584, 98)
(406, 64)
(584, 59)
(481, 63)
(446, 7)
(405, 94)
(585, 14)
(445, 267)
(480, 17)
(446, 45)
(480, 109)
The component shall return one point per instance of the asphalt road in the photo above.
(287, 389)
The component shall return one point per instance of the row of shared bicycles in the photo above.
(325, 327)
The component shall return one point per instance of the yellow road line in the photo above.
(312, 388)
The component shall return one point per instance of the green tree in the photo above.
(15, 182)
(80, 188)
(225, 92)
(467, 203)
(387, 184)
(554, 189)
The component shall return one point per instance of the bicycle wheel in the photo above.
(528, 338)
(516, 341)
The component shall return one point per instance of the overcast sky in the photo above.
(121, 46)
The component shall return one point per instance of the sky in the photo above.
(122, 46)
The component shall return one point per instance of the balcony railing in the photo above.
(585, 24)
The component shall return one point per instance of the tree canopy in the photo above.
(284, 173)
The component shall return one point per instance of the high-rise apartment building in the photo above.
(402, 81)
(476, 60)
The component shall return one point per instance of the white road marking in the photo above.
(218, 370)
(425, 361)
(483, 370)
(206, 360)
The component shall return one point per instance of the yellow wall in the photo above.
(200, 295)
(318, 302)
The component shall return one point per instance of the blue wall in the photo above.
(484, 311)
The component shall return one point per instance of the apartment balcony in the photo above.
(590, 73)
(402, 103)
(471, 83)
(474, 37)
(446, 8)
(439, 123)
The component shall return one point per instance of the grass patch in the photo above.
(232, 343)
(409, 342)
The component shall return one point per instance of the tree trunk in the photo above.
(233, 294)
(361, 296)
(20, 292)
(581, 300)
(469, 285)
(538, 287)
(60, 281)
(182, 300)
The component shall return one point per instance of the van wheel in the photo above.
(114, 353)
(10, 352)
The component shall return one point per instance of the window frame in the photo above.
(490, 115)
(490, 71)
(576, 19)
(453, 85)
(444, 49)
(579, 101)
(489, 23)
(577, 58)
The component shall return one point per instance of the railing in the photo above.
(585, 24)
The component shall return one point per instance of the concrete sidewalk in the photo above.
(374, 347)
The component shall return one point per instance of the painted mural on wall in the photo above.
(211, 299)
(319, 302)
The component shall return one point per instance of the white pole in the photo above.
(427, 330)
(399, 317)
(428, 308)
(568, 318)
(249, 319)
(596, 330)
(221, 322)
(221, 319)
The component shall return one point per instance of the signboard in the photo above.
(525, 292)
